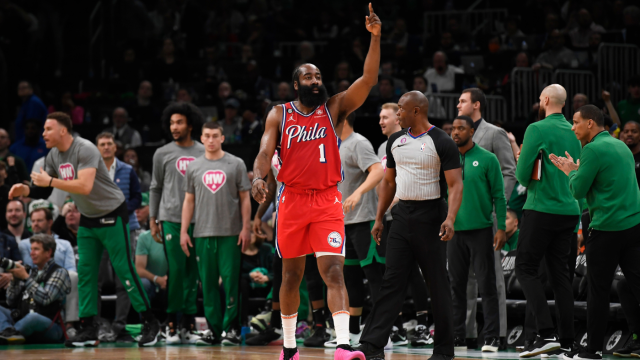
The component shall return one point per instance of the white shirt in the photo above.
(444, 82)
(112, 170)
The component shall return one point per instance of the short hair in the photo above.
(191, 112)
(47, 242)
(24, 207)
(592, 112)
(513, 213)
(632, 123)
(47, 213)
(62, 119)
(104, 134)
(351, 118)
(390, 106)
(465, 118)
(477, 95)
(212, 125)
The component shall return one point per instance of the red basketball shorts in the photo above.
(309, 221)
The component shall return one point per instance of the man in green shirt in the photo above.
(605, 176)
(474, 243)
(549, 218)
(512, 231)
(629, 109)
(151, 264)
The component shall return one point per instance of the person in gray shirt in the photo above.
(166, 196)
(217, 184)
(74, 165)
(362, 172)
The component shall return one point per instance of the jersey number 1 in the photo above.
(322, 158)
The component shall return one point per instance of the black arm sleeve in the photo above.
(447, 149)
(37, 192)
(391, 161)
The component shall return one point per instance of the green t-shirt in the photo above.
(629, 110)
(156, 259)
(518, 198)
(512, 243)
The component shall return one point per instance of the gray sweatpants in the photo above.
(472, 299)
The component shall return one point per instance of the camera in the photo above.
(8, 264)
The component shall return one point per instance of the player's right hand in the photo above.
(185, 243)
(257, 228)
(259, 191)
(18, 190)
(155, 232)
(162, 282)
(376, 231)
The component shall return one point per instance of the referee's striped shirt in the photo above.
(420, 162)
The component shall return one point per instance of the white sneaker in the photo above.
(189, 336)
(354, 340)
(389, 345)
(173, 339)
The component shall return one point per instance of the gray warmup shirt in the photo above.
(216, 185)
(166, 193)
(357, 155)
(105, 196)
(382, 155)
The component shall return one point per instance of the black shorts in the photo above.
(360, 248)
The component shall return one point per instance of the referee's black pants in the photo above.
(605, 250)
(414, 236)
(473, 247)
(548, 236)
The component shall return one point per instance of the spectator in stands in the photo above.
(512, 38)
(4, 193)
(128, 69)
(356, 55)
(16, 168)
(631, 31)
(306, 53)
(145, 116)
(256, 273)
(441, 76)
(558, 56)
(399, 34)
(184, 95)
(225, 92)
(447, 127)
(284, 92)
(629, 109)
(32, 108)
(144, 177)
(46, 285)
(552, 22)
(631, 136)
(251, 127)
(16, 215)
(342, 72)
(8, 249)
(512, 231)
(232, 122)
(67, 224)
(387, 69)
(66, 105)
(385, 94)
(32, 146)
(41, 223)
(151, 265)
(449, 47)
(142, 213)
(436, 110)
(128, 136)
(460, 36)
(169, 67)
(326, 29)
(586, 26)
(579, 100)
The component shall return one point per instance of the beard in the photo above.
(463, 143)
(308, 98)
(542, 112)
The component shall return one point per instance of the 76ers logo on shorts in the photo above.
(182, 163)
(67, 172)
(335, 239)
(214, 179)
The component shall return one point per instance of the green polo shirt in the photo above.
(606, 177)
(628, 110)
(551, 193)
(483, 187)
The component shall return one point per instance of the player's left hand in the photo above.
(374, 25)
(351, 202)
(376, 231)
(19, 272)
(566, 165)
(244, 238)
(41, 179)
(446, 230)
(185, 243)
(499, 240)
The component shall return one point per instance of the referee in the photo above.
(422, 162)
(605, 176)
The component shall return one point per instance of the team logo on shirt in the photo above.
(384, 163)
(403, 140)
(214, 180)
(275, 162)
(475, 163)
(66, 171)
(183, 162)
(304, 134)
(335, 239)
(423, 146)
(319, 112)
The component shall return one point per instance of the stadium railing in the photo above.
(616, 64)
(526, 85)
(574, 82)
(444, 106)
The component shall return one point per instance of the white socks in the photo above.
(341, 325)
(289, 330)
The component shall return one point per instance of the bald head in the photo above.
(579, 100)
(556, 93)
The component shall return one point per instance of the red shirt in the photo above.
(308, 149)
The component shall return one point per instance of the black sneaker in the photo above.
(87, 336)
(269, 336)
(289, 354)
(459, 344)
(11, 336)
(542, 345)
(231, 338)
(370, 352)
(585, 355)
(441, 357)
(556, 353)
(528, 346)
(570, 354)
(632, 347)
(207, 339)
(150, 332)
(421, 336)
(399, 336)
(318, 338)
(491, 344)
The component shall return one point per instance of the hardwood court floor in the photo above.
(131, 352)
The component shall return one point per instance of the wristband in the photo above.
(256, 179)
(154, 279)
(50, 181)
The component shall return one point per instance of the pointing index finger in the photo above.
(370, 9)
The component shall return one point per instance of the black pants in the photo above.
(246, 291)
(630, 306)
(466, 248)
(605, 251)
(414, 237)
(547, 236)
(361, 253)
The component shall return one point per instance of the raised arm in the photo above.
(350, 100)
(262, 164)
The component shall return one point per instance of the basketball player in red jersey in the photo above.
(309, 216)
